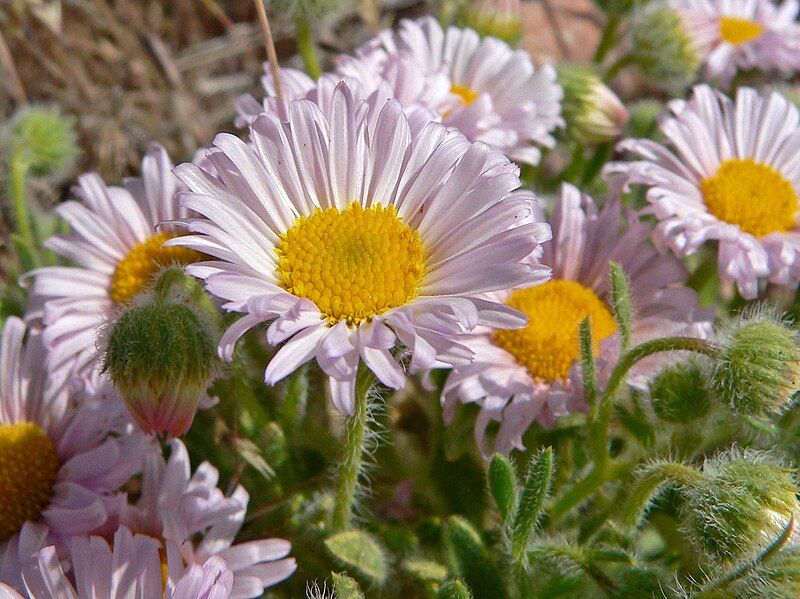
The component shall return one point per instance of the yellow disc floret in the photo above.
(548, 346)
(28, 468)
(353, 264)
(144, 260)
(739, 31)
(753, 196)
(467, 95)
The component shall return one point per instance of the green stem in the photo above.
(19, 172)
(352, 453)
(607, 40)
(617, 66)
(306, 47)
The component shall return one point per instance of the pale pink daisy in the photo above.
(530, 374)
(60, 465)
(130, 567)
(351, 236)
(116, 247)
(729, 174)
(175, 506)
(496, 95)
(731, 35)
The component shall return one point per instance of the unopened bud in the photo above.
(594, 114)
(662, 48)
(744, 501)
(680, 393)
(42, 139)
(758, 370)
(162, 352)
(493, 18)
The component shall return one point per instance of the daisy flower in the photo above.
(130, 567)
(352, 236)
(530, 374)
(742, 34)
(59, 465)
(496, 94)
(118, 252)
(175, 506)
(730, 173)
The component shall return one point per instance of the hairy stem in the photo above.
(306, 47)
(22, 219)
(352, 453)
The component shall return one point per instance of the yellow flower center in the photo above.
(28, 468)
(739, 31)
(752, 195)
(467, 95)
(141, 264)
(548, 345)
(354, 263)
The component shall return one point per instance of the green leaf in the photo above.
(503, 484)
(587, 361)
(360, 552)
(425, 570)
(470, 559)
(454, 589)
(534, 494)
(294, 403)
(621, 303)
(345, 587)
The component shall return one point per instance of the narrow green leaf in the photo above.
(621, 303)
(503, 484)
(534, 494)
(587, 361)
(345, 587)
(454, 589)
(294, 403)
(425, 570)
(360, 552)
(470, 560)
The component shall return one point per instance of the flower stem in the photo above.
(607, 40)
(617, 66)
(22, 219)
(306, 47)
(353, 452)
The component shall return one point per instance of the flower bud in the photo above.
(745, 500)
(593, 112)
(758, 369)
(662, 48)
(680, 393)
(493, 18)
(43, 139)
(161, 354)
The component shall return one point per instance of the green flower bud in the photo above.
(775, 578)
(42, 139)
(758, 369)
(680, 393)
(161, 354)
(662, 48)
(593, 112)
(744, 501)
(493, 18)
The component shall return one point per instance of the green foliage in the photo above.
(345, 587)
(532, 498)
(503, 485)
(360, 553)
(469, 559)
(454, 589)
(621, 303)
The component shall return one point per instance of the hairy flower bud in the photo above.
(42, 139)
(661, 47)
(680, 393)
(745, 500)
(758, 370)
(161, 354)
(494, 18)
(593, 112)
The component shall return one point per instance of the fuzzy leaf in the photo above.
(425, 570)
(470, 559)
(454, 589)
(503, 484)
(536, 490)
(587, 361)
(358, 550)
